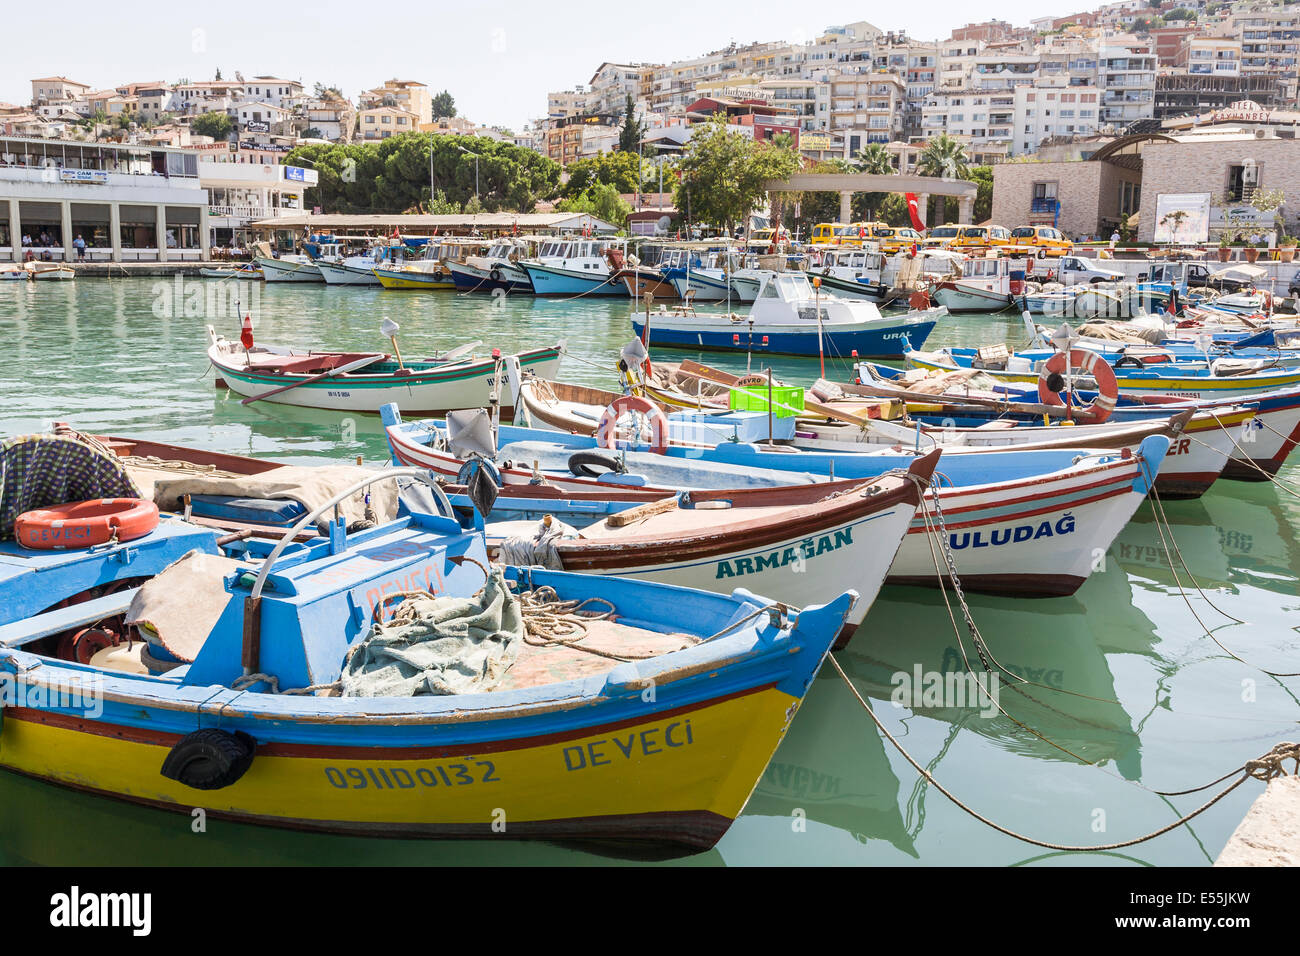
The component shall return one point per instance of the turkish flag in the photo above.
(913, 210)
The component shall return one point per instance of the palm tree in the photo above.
(945, 158)
(875, 160)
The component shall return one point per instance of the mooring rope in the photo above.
(1183, 593)
(1264, 768)
(986, 655)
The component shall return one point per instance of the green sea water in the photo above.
(1137, 698)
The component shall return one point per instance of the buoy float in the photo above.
(606, 431)
(84, 524)
(1051, 382)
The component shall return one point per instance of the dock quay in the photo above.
(1269, 835)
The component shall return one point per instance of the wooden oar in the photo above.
(342, 369)
(717, 377)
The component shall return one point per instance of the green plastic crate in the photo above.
(787, 400)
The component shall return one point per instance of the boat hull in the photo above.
(277, 270)
(437, 390)
(411, 279)
(885, 340)
(468, 279)
(338, 274)
(959, 297)
(550, 281)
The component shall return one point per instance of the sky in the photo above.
(497, 59)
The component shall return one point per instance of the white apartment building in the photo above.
(286, 94)
(1270, 42)
(1210, 56)
(869, 105)
(205, 96)
(55, 89)
(613, 83)
(381, 122)
(1126, 76)
(1042, 112)
(407, 95)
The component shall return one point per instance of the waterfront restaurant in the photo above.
(129, 203)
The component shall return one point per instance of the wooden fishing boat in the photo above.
(562, 740)
(51, 271)
(1258, 444)
(577, 410)
(1031, 522)
(1170, 379)
(288, 268)
(790, 317)
(643, 283)
(799, 544)
(249, 271)
(362, 382)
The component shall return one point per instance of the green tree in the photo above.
(620, 170)
(393, 175)
(444, 106)
(875, 160)
(629, 137)
(945, 158)
(600, 200)
(982, 176)
(1180, 13)
(725, 175)
(216, 125)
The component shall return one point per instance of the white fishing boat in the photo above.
(290, 267)
(362, 382)
(248, 271)
(572, 267)
(854, 273)
(791, 317)
(497, 267)
(51, 271)
(985, 286)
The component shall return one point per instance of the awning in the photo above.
(1241, 272)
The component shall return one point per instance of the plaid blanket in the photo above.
(37, 471)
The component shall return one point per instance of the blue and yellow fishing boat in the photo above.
(649, 721)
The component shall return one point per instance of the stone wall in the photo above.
(1080, 188)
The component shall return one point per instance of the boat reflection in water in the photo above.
(1239, 537)
(834, 769)
(1061, 656)
(97, 831)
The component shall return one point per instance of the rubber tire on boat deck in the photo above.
(580, 462)
(209, 759)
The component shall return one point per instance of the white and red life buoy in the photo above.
(607, 430)
(84, 524)
(1089, 363)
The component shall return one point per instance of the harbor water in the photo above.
(1128, 695)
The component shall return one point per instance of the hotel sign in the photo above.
(97, 176)
(813, 141)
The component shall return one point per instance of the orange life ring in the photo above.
(84, 524)
(1084, 361)
(607, 430)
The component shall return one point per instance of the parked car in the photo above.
(1075, 270)
(1041, 241)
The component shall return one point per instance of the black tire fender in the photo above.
(580, 463)
(209, 759)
